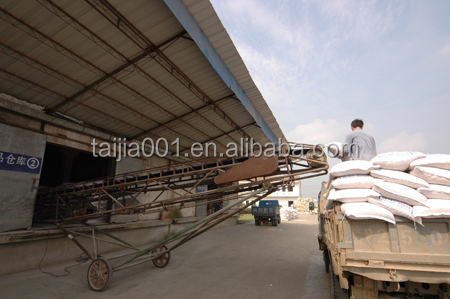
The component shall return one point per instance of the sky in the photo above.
(320, 64)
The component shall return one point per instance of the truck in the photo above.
(268, 211)
(377, 259)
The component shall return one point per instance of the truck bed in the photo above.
(382, 251)
(265, 211)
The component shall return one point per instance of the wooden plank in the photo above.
(252, 168)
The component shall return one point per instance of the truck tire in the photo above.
(326, 260)
(279, 219)
(274, 222)
(335, 288)
(257, 222)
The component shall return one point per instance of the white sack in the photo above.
(288, 213)
(365, 210)
(395, 207)
(438, 208)
(437, 160)
(352, 195)
(399, 177)
(401, 193)
(352, 167)
(359, 181)
(435, 191)
(396, 160)
(432, 175)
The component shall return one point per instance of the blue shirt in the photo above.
(359, 146)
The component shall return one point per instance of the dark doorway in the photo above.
(86, 167)
(63, 164)
(53, 167)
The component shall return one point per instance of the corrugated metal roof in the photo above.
(128, 67)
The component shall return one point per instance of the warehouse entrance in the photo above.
(63, 165)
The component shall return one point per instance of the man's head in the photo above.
(357, 123)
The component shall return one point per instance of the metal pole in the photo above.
(76, 242)
(111, 236)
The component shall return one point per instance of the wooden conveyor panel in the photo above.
(253, 167)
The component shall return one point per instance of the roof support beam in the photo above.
(65, 16)
(43, 90)
(45, 39)
(74, 23)
(219, 136)
(58, 11)
(55, 95)
(127, 28)
(18, 56)
(186, 114)
(96, 83)
(222, 135)
(71, 55)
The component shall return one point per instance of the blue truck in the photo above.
(268, 211)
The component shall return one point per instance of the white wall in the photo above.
(17, 187)
(283, 195)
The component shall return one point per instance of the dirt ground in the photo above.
(243, 261)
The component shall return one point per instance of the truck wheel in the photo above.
(274, 222)
(279, 219)
(257, 222)
(335, 288)
(326, 260)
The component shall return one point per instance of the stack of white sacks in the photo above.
(408, 184)
(288, 213)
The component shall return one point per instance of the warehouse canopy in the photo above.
(133, 68)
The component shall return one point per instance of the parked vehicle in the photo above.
(376, 259)
(267, 211)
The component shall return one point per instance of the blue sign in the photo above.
(20, 163)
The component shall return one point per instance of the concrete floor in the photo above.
(243, 261)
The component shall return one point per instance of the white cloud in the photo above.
(332, 130)
(296, 52)
(363, 19)
(278, 79)
(263, 16)
(336, 60)
(403, 141)
(319, 131)
(444, 53)
(445, 50)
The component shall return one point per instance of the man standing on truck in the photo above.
(358, 144)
